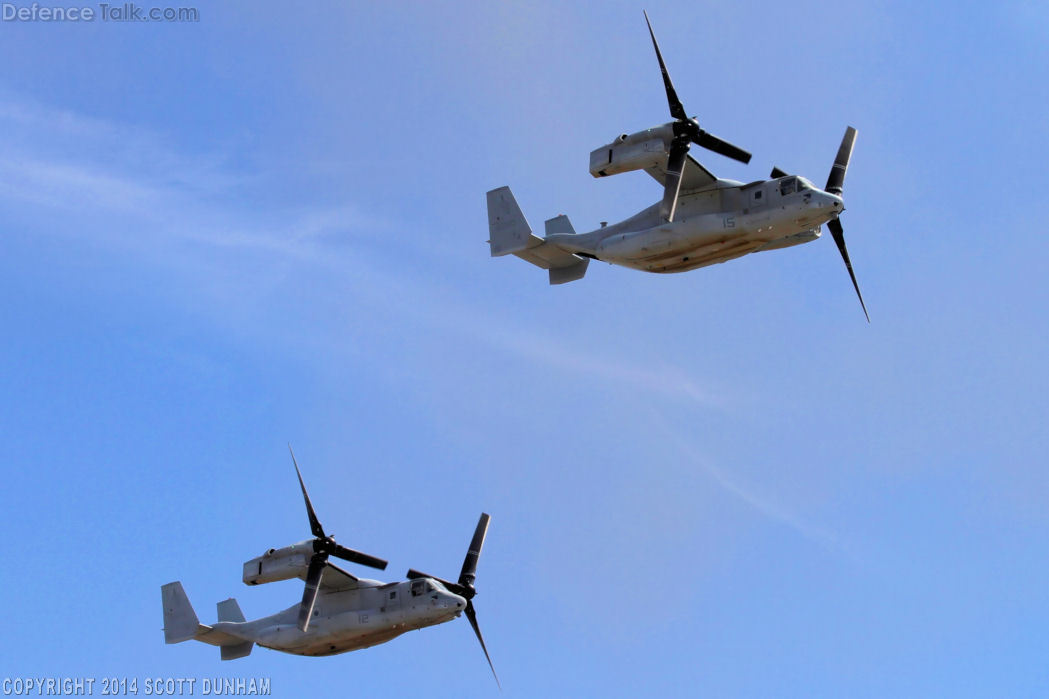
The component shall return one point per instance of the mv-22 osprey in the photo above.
(339, 612)
(702, 220)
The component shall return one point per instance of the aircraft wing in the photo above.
(694, 178)
(335, 578)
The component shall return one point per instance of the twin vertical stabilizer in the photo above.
(181, 623)
(510, 234)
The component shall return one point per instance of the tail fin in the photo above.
(180, 621)
(509, 233)
(229, 610)
(241, 650)
(559, 224)
(508, 229)
(576, 267)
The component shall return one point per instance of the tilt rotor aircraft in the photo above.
(339, 612)
(702, 219)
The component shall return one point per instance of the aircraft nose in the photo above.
(836, 202)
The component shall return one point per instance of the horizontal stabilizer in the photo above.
(563, 265)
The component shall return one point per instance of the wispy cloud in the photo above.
(84, 168)
(749, 495)
(126, 187)
(663, 379)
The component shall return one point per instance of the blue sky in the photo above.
(268, 227)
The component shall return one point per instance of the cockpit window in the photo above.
(788, 186)
(418, 587)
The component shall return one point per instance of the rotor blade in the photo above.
(357, 557)
(777, 173)
(839, 237)
(315, 525)
(721, 146)
(469, 572)
(676, 109)
(841, 163)
(471, 614)
(672, 183)
(309, 594)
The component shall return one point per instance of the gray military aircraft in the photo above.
(702, 219)
(339, 612)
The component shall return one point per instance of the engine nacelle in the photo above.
(637, 151)
(279, 564)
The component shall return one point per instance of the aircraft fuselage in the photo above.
(352, 619)
(711, 226)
